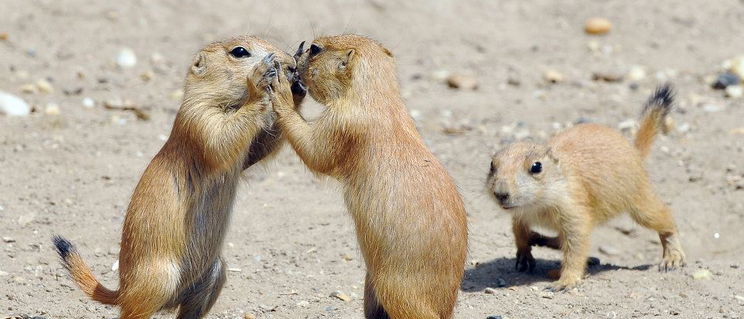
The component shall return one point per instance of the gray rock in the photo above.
(726, 79)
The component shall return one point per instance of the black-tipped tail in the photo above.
(81, 273)
(662, 100)
(64, 247)
(658, 106)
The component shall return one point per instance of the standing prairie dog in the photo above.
(580, 179)
(410, 220)
(179, 211)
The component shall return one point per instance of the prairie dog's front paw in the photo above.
(281, 91)
(264, 74)
(525, 261)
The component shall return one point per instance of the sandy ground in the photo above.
(291, 243)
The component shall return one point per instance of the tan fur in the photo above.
(409, 217)
(177, 218)
(590, 173)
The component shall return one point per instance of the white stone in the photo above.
(712, 108)
(737, 66)
(636, 73)
(734, 91)
(13, 106)
(52, 109)
(626, 125)
(88, 102)
(126, 58)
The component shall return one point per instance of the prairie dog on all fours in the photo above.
(409, 217)
(177, 218)
(581, 178)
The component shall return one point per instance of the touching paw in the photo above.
(265, 73)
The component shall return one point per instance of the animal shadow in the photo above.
(501, 273)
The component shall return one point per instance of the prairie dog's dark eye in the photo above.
(240, 52)
(536, 168)
(314, 49)
(492, 170)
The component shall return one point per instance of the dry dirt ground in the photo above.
(291, 243)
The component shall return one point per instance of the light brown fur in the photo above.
(177, 218)
(590, 173)
(409, 217)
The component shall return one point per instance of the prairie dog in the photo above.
(410, 220)
(581, 178)
(177, 218)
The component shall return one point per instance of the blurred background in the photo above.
(89, 90)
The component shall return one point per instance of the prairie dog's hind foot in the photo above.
(673, 256)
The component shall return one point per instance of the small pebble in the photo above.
(157, 58)
(52, 109)
(702, 274)
(340, 295)
(126, 58)
(463, 82)
(28, 88)
(500, 282)
(636, 73)
(8, 239)
(609, 250)
(626, 125)
(684, 127)
(494, 317)
(23, 220)
(737, 66)
(597, 26)
(3, 36)
(12, 105)
(725, 80)
(302, 303)
(712, 108)
(489, 291)
(88, 102)
(115, 266)
(734, 91)
(607, 76)
(44, 86)
(249, 316)
(147, 76)
(553, 76)
(440, 75)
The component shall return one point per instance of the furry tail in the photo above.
(653, 116)
(82, 274)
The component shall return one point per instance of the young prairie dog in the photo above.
(177, 218)
(580, 179)
(410, 220)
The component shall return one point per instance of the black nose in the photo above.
(502, 197)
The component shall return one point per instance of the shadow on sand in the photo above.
(500, 273)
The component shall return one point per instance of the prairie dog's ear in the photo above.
(347, 58)
(390, 54)
(199, 66)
